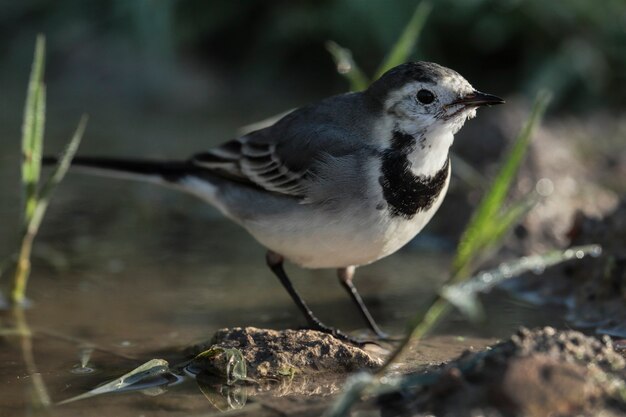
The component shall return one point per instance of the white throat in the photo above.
(431, 152)
(431, 149)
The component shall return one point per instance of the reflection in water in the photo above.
(40, 398)
(223, 397)
(155, 377)
(141, 311)
(152, 374)
(224, 390)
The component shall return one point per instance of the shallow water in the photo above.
(141, 291)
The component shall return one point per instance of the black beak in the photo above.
(476, 99)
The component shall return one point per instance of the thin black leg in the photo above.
(275, 262)
(345, 276)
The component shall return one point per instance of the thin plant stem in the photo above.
(347, 67)
(437, 311)
(18, 291)
(22, 272)
(404, 46)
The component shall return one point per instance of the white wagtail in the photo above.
(335, 184)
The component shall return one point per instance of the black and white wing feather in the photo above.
(285, 157)
(255, 163)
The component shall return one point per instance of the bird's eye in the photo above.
(425, 96)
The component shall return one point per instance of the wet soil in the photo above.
(534, 373)
(103, 320)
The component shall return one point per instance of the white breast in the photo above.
(358, 235)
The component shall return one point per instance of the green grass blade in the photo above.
(232, 365)
(467, 173)
(496, 231)
(510, 217)
(347, 67)
(32, 130)
(149, 370)
(464, 295)
(482, 227)
(22, 271)
(405, 45)
(57, 175)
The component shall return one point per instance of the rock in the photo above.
(540, 385)
(534, 373)
(283, 354)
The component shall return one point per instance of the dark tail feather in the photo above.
(167, 170)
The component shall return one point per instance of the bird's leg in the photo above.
(345, 276)
(275, 262)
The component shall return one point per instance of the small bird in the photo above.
(336, 184)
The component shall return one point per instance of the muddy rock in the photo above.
(540, 385)
(534, 373)
(283, 354)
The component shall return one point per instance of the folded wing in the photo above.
(285, 157)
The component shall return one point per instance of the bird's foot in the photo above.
(381, 339)
(380, 335)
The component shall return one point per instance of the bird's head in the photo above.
(424, 95)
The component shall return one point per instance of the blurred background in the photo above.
(136, 267)
(193, 51)
(168, 78)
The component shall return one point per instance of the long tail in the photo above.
(146, 170)
(181, 175)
